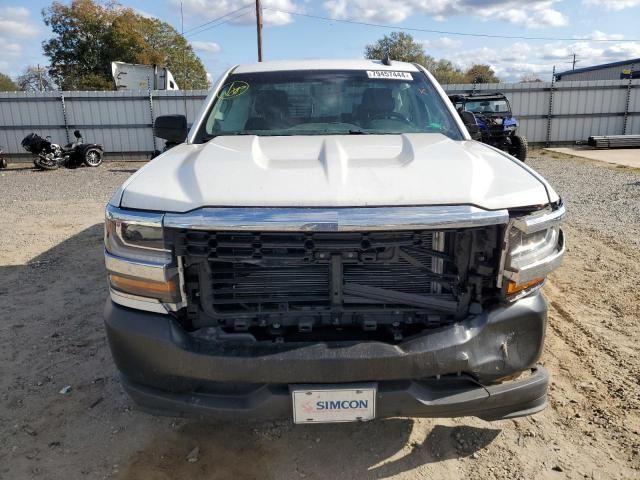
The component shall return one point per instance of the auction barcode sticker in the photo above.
(389, 75)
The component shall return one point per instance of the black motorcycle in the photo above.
(51, 156)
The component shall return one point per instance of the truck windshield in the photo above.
(328, 103)
(487, 106)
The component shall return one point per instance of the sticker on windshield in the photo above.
(389, 75)
(233, 89)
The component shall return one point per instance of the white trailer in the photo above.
(129, 76)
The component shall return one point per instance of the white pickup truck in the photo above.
(327, 244)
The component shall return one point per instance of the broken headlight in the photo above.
(527, 248)
(534, 247)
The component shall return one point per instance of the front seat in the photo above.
(376, 103)
(272, 110)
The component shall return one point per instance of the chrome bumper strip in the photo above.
(142, 303)
(158, 272)
(535, 223)
(133, 217)
(335, 219)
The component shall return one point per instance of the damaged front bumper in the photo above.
(448, 372)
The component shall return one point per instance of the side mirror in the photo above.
(77, 134)
(469, 120)
(172, 128)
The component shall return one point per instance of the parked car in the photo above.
(327, 244)
(489, 115)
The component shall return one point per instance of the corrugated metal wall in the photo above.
(565, 112)
(122, 120)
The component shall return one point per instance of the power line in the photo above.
(446, 32)
(188, 32)
(219, 24)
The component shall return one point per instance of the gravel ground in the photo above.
(59, 202)
(23, 183)
(599, 196)
(52, 289)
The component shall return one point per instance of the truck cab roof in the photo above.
(357, 64)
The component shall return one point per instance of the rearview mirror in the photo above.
(172, 128)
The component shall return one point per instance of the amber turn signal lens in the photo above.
(513, 287)
(165, 291)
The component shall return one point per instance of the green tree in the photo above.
(88, 35)
(402, 47)
(447, 73)
(480, 73)
(6, 84)
(399, 46)
(176, 53)
(529, 78)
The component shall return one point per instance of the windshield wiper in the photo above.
(357, 132)
(208, 137)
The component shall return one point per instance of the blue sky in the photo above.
(287, 35)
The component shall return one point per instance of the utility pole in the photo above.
(184, 50)
(40, 78)
(573, 63)
(184, 66)
(259, 28)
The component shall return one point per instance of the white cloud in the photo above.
(536, 13)
(16, 27)
(521, 59)
(207, 48)
(613, 4)
(598, 35)
(211, 9)
(442, 43)
(144, 13)
(15, 22)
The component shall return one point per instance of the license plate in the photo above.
(328, 404)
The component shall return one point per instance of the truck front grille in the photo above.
(293, 273)
(313, 280)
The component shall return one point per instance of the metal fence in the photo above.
(122, 121)
(566, 112)
(549, 113)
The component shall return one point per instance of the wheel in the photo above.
(45, 164)
(3, 163)
(93, 157)
(519, 147)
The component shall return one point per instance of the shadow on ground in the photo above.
(18, 167)
(53, 308)
(371, 450)
(123, 170)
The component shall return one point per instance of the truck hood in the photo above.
(333, 171)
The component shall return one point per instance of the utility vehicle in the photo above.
(496, 125)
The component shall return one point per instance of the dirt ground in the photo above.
(52, 290)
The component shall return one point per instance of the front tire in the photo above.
(519, 147)
(45, 164)
(93, 157)
(3, 163)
